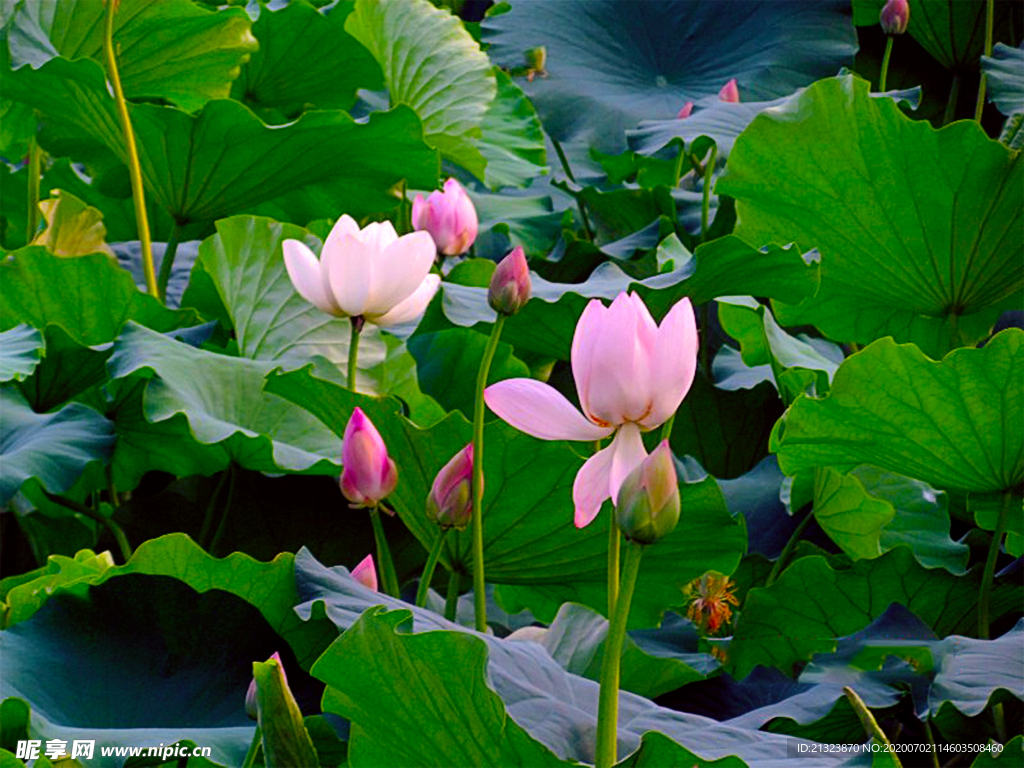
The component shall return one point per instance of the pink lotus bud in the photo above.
(685, 111)
(250, 695)
(895, 16)
(369, 474)
(448, 216)
(510, 283)
(647, 507)
(730, 92)
(366, 573)
(450, 503)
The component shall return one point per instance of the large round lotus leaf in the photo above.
(612, 63)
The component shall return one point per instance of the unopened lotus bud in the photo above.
(366, 573)
(510, 283)
(536, 59)
(369, 474)
(449, 217)
(730, 92)
(450, 503)
(647, 507)
(250, 695)
(685, 111)
(895, 16)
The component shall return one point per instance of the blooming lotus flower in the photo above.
(730, 92)
(450, 503)
(894, 17)
(369, 475)
(366, 573)
(370, 273)
(448, 216)
(250, 695)
(631, 375)
(685, 111)
(510, 285)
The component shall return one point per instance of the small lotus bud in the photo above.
(369, 474)
(536, 59)
(730, 92)
(448, 216)
(510, 283)
(895, 16)
(685, 111)
(450, 503)
(647, 507)
(366, 573)
(250, 695)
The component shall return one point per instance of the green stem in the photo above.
(134, 167)
(389, 579)
(867, 720)
(990, 11)
(168, 263)
(254, 749)
(99, 517)
(353, 349)
(451, 603)
(666, 428)
(988, 575)
(568, 172)
(211, 509)
(931, 743)
(479, 595)
(115, 502)
(885, 63)
(608, 704)
(705, 208)
(954, 92)
(428, 570)
(614, 542)
(780, 564)
(222, 526)
(34, 164)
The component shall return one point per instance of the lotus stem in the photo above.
(479, 594)
(614, 542)
(116, 531)
(34, 165)
(451, 603)
(389, 578)
(134, 167)
(794, 539)
(954, 92)
(568, 172)
(254, 749)
(988, 575)
(428, 570)
(705, 207)
(885, 63)
(167, 264)
(353, 349)
(608, 704)
(990, 13)
(871, 726)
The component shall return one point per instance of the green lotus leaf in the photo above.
(172, 50)
(432, 64)
(21, 349)
(916, 226)
(512, 140)
(1004, 72)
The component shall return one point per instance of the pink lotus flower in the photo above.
(450, 503)
(366, 573)
(250, 696)
(369, 475)
(631, 375)
(685, 111)
(730, 92)
(448, 216)
(370, 273)
(510, 285)
(894, 17)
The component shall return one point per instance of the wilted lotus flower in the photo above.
(250, 695)
(370, 273)
(510, 284)
(647, 506)
(366, 573)
(448, 216)
(368, 475)
(631, 376)
(450, 503)
(895, 17)
(730, 92)
(685, 111)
